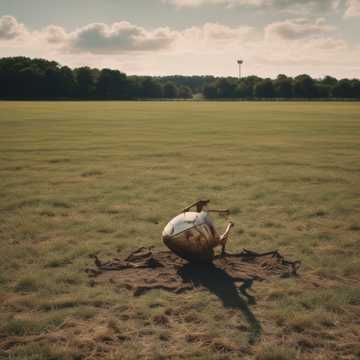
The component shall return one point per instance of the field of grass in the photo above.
(79, 178)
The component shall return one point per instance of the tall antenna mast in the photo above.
(240, 62)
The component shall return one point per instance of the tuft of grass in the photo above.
(19, 327)
(85, 312)
(58, 304)
(47, 213)
(91, 173)
(58, 161)
(235, 210)
(318, 213)
(59, 204)
(354, 227)
(27, 284)
(301, 321)
(44, 351)
(352, 269)
(3, 280)
(69, 277)
(276, 352)
(58, 261)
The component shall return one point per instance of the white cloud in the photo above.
(300, 7)
(96, 38)
(124, 37)
(121, 36)
(294, 29)
(54, 34)
(10, 28)
(213, 37)
(291, 46)
(352, 8)
(294, 6)
(221, 32)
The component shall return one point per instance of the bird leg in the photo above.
(224, 237)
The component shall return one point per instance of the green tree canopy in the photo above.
(25, 78)
(170, 91)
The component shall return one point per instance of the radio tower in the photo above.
(240, 62)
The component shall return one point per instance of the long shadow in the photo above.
(220, 283)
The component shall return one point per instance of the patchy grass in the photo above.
(104, 178)
(21, 327)
(43, 351)
(272, 352)
(27, 284)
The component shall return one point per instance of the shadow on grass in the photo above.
(220, 283)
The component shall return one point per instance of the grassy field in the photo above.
(105, 177)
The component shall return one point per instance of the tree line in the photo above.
(283, 87)
(25, 78)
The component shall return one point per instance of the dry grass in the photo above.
(83, 178)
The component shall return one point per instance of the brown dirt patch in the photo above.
(146, 269)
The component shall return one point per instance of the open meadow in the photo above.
(81, 178)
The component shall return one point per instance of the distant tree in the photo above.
(251, 82)
(243, 90)
(283, 87)
(226, 88)
(323, 91)
(210, 91)
(355, 86)
(151, 88)
(26, 77)
(170, 91)
(67, 82)
(195, 83)
(281, 77)
(329, 80)
(343, 89)
(185, 92)
(112, 84)
(264, 89)
(53, 83)
(29, 82)
(304, 87)
(135, 90)
(85, 82)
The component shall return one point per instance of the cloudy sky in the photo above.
(158, 37)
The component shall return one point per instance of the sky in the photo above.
(188, 37)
